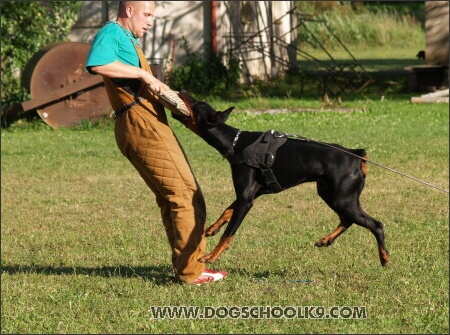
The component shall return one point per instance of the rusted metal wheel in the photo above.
(57, 72)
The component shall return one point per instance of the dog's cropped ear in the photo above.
(219, 117)
(225, 114)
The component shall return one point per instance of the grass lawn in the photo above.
(83, 249)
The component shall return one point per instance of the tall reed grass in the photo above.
(358, 26)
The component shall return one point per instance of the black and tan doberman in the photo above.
(269, 162)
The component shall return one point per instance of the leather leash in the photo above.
(298, 137)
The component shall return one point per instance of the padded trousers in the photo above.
(145, 138)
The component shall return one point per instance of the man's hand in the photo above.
(156, 85)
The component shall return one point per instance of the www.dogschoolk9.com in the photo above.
(258, 312)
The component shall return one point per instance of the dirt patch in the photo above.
(296, 110)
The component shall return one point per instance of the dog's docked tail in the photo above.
(362, 153)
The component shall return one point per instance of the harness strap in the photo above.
(271, 180)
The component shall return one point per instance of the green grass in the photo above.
(83, 249)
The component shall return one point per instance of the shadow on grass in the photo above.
(159, 275)
(372, 65)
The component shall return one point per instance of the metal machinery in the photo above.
(63, 93)
(335, 77)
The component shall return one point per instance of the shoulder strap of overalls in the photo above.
(144, 65)
(142, 61)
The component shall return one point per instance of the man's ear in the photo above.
(129, 11)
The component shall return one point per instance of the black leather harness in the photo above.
(261, 154)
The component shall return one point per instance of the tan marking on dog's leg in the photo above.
(329, 239)
(224, 243)
(224, 218)
(384, 255)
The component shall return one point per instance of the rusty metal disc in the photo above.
(56, 67)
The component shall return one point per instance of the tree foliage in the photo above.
(26, 27)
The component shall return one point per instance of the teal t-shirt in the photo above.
(112, 42)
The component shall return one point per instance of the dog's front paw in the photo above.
(215, 254)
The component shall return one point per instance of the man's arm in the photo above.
(117, 69)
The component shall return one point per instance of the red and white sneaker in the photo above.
(209, 276)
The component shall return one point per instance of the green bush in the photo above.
(215, 74)
(26, 27)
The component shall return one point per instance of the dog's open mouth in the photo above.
(180, 117)
(186, 98)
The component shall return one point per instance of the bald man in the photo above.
(144, 137)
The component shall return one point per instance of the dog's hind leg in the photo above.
(345, 202)
(376, 228)
(329, 196)
(329, 239)
(223, 219)
(350, 211)
(366, 221)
